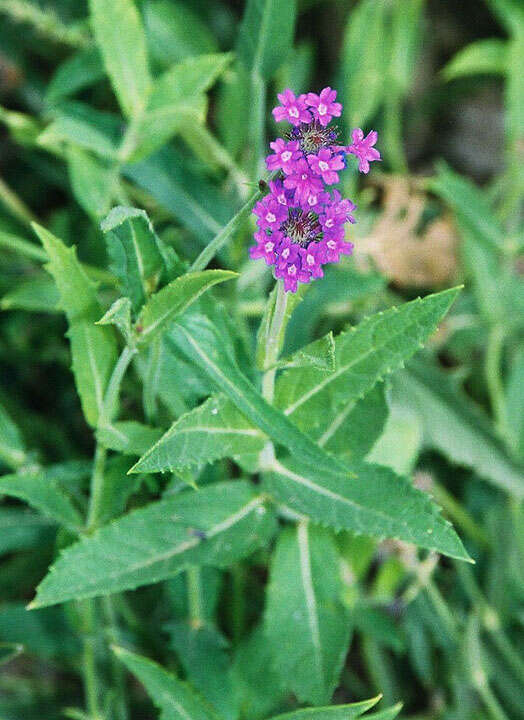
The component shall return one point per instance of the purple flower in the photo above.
(292, 109)
(363, 148)
(303, 182)
(301, 226)
(323, 106)
(286, 153)
(325, 164)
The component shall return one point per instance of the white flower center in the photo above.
(310, 259)
(323, 165)
(270, 217)
(312, 200)
(322, 109)
(285, 253)
(282, 199)
(331, 244)
(291, 270)
(286, 156)
(269, 246)
(329, 223)
(304, 176)
(293, 111)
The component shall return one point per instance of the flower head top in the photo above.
(301, 225)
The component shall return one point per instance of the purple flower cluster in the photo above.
(300, 222)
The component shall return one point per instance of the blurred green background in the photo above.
(443, 84)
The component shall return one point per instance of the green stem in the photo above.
(15, 205)
(493, 377)
(96, 496)
(194, 597)
(110, 403)
(273, 342)
(91, 683)
(458, 515)
(117, 668)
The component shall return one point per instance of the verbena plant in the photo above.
(243, 471)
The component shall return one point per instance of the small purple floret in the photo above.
(301, 225)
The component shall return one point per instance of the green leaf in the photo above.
(453, 425)
(387, 714)
(38, 294)
(305, 621)
(81, 70)
(368, 499)
(214, 526)
(175, 32)
(378, 346)
(514, 95)
(120, 37)
(92, 180)
(12, 445)
(336, 712)
(266, 35)
(319, 354)
(93, 348)
(24, 530)
(406, 33)
(8, 651)
(202, 652)
(85, 127)
(178, 99)
(214, 430)
(46, 634)
(515, 403)
(175, 699)
(117, 489)
(128, 437)
(40, 490)
(365, 61)
(134, 251)
(164, 306)
(399, 445)
(119, 315)
(482, 56)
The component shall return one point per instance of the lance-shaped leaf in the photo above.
(175, 699)
(364, 354)
(120, 37)
(133, 249)
(482, 56)
(165, 305)
(214, 526)
(335, 712)
(369, 499)
(93, 348)
(452, 424)
(305, 621)
(12, 446)
(128, 437)
(266, 35)
(40, 490)
(38, 294)
(215, 429)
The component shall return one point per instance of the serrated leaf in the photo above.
(307, 625)
(164, 306)
(452, 424)
(213, 430)
(134, 251)
(364, 354)
(266, 35)
(120, 37)
(368, 499)
(40, 490)
(175, 699)
(119, 315)
(319, 354)
(213, 526)
(335, 712)
(38, 294)
(128, 437)
(481, 56)
(93, 348)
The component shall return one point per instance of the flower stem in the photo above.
(493, 377)
(194, 597)
(273, 342)
(91, 683)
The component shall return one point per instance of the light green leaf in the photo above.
(453, 425)
(175, 32)
(214, 430)
(81, 70)
(365, 61)
(202, 652)
(406, 22)
(319, 354)
(164, 306)
(128, 437)
(93, 348)
(364, 354)
(120, 37)
(514, 96)
(178, 99)
(41, 490)
(119, 315)
(335, 712)
(175, 699)
(515, 403)
(368, 499)
(307, 625)
(134, 251)
(399, 444)
(81, 132)
(213, 526)
(482, 56)
(266, 35)
(38, 294)
(12, 445)
(93, 182)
